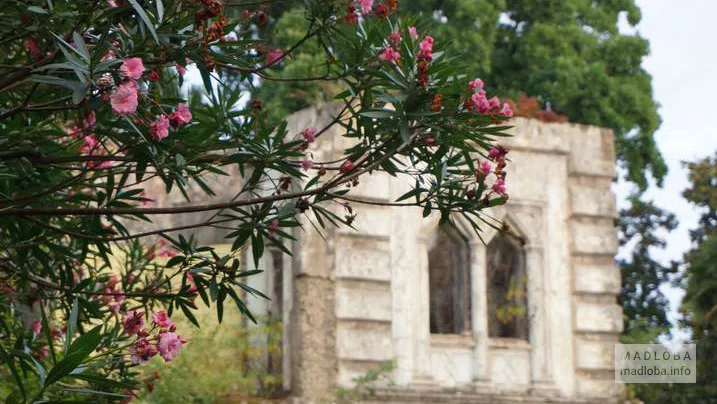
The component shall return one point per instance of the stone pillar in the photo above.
(313, 321)
(596, 279)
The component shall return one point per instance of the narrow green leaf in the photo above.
(145, 18)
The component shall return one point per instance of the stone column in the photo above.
(596, 279)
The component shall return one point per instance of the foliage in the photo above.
(644, 305)
(365, 385)
(91, 109)
(193, 376)
(699, 305)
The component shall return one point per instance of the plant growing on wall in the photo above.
(92, 107)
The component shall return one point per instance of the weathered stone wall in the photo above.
(561, 202)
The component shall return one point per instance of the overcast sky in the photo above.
(683, 63)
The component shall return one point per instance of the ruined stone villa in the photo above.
(461, 320)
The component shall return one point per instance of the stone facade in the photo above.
(367, 290)
(355, 299)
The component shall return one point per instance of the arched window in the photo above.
(507, 288)
(449, 283)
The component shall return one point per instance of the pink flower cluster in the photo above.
(478, 101)
(125, 98)
(389, 55)
(112, 297)
(167, 342)
(181, 116)
(425, 48)
(273, 56)
(485, 167)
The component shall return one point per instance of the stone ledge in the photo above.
(599, 387)
(363, 299)
(363, 257)
(589, 201)
(595, 355)
(364, 340)
(592, 317)
(597, 279)
(593, 237)
(424, 394)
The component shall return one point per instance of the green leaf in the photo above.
(101, 380)
(81, 46)
(188, 312)
(37, 10)
(377, 113)
(220, 304)
(427, 209)
(145, 18)
(72, 323)
(78, 352)
(10, 361)
(160, 10)
(257, 248)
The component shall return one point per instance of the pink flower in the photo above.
(389, 55)
(366, 6)
(480, 103)
(506, 111)
(36, 327)
(273, 56)
(497, 153)
(347, 166)
(89, 143)
(161, 319)
(273, 225)
(181, 70)
(351, 18)
(125, 98)
(110, 55)
(307, 164)
(169, 345)
(412, 32)
(132, 68)
(309, 134)
(485, 167)
(41, 353)
(159, 128)
(90, 119)
(181, 116)
(426, 48)
(190, 277)
(133, 322)
(32, 48)
(141, 351)
(499, 187)
(494, 103)
(477, 83)
(165, 251)
(112, 282)
(394, 38)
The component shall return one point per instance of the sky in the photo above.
(683, 63)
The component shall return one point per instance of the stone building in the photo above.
(531, 319)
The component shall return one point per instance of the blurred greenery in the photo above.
(220, 363)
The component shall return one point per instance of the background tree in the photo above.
(699, 305)
(91, 109)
